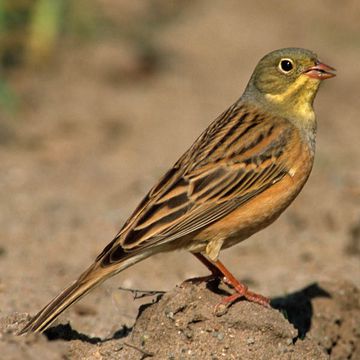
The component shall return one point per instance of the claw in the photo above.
(219, 271)
(222, 307)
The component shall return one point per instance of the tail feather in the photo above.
(91, 278)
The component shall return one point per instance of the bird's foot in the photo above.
(220, 272)
(242, 291)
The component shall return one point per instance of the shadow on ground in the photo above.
(297, 307)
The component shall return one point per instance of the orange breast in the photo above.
(266, 207)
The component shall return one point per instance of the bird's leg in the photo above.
(215, 272)
(219, 270)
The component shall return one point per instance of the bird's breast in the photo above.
(265, 207)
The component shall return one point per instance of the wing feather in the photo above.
(219, 173)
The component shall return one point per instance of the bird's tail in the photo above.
(92, 277)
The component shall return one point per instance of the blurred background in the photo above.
(98, 98)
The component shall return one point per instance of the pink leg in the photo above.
(219, 270)
(215, 273)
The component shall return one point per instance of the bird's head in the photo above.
(287, 80)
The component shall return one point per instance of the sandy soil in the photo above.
(319, 321)
(108, 117)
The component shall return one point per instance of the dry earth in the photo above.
(319, 321)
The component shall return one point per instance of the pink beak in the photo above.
(320, 71)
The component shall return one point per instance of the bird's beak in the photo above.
(320, 71)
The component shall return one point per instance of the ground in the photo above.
(101, 123)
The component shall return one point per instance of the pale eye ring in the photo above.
(286, 65)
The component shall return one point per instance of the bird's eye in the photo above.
(286, 65)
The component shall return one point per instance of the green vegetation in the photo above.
(31, 31)
(29, 34)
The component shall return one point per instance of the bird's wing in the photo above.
(239, 156)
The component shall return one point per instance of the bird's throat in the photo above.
(297, 101)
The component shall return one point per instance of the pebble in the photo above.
(250, 341)
(218, 335)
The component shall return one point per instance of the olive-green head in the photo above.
(287, 80)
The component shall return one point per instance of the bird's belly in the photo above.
(255, 214)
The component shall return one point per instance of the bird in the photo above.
(237, 178)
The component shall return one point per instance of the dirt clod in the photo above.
(321, 320)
